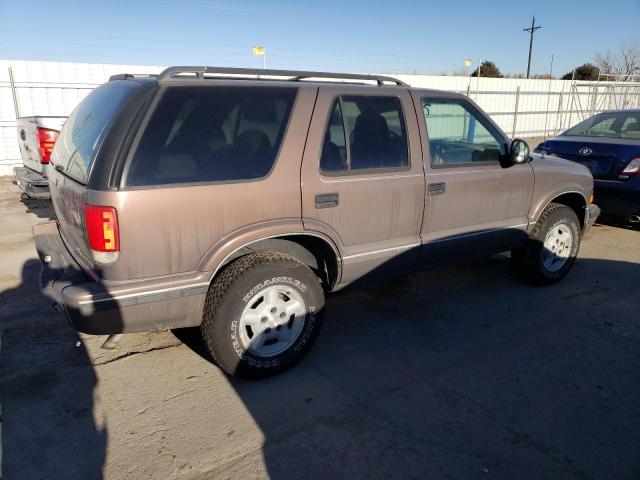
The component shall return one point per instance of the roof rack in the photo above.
(127, 76)
(294, 75)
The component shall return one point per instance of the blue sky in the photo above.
(393, 37)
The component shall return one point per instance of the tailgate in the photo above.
(68, 198)
(28, 141)
(73, 157)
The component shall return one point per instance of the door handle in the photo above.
(327, 200)
(436, 188)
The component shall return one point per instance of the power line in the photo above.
(246, 47)
(246, 62)
(531, 31)
(167, 51)
(229, 53)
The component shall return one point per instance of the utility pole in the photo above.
(531, 31)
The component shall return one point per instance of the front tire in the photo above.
(262, 314)
(552, 247)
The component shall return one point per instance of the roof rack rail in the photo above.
(295, 75)
(127, 76)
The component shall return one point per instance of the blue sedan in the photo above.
(608, 144)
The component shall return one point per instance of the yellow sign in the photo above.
(467, 63)
(258, 51)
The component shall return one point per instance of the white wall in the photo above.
(543, 106)
(46, 88)
(55, 88)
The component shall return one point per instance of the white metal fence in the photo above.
(534, 108)
(48, 89)
(523, 108)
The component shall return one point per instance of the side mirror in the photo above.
(519, 152)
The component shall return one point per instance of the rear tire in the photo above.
(552, 247)
(262, 314)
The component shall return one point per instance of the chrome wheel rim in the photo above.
(272, 320)
(557, 247)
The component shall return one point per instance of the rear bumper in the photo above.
(33, 183)
(618, 198)
(103, 308)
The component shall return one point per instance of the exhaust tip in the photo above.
(634, 218)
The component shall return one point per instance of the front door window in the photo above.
(458, 137)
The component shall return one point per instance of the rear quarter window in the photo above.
(84, 129)
(211, 134)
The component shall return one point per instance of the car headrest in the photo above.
(371, 129)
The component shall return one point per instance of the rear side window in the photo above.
(207, 134)
(364, 133)
(616, 125)
(81, 135)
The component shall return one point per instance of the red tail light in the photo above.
(46, 140)
(102, 232)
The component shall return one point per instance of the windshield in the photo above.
(82, 132)
(616, 125)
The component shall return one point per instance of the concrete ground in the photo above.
(459, 372)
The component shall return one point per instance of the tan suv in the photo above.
(237, 199)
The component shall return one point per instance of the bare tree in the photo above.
(630, 59)
(606, 63)
(622, 64)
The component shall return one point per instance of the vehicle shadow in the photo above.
(460, 371)
(618, 222)
(40, 208)
(46, 390)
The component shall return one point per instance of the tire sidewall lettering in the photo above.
(274, 281)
